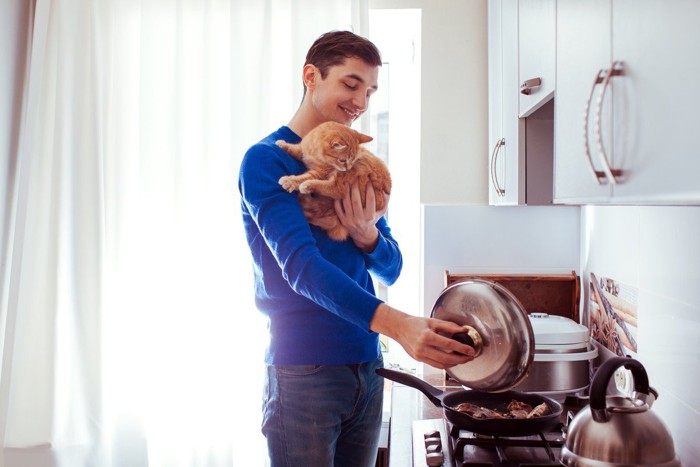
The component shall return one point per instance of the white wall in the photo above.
(454, 99)
(454, 102)
(657, 251)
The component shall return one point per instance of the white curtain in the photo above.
(127, 327)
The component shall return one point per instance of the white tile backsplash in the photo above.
(612, 253)
(657, 250)
(670, 252)
(684, 424)
(668, 346)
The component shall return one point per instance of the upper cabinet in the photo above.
(582, 50)
(521, 82)
(626, 103)
(506, 132)
(536, 51)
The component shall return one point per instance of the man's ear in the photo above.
(310, 74)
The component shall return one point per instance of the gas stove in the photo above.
(438, 443)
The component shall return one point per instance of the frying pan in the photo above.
(495, 401)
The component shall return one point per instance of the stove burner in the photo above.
(471, 449)
(465, 448)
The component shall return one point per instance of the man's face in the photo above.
(344, 94)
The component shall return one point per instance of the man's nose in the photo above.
(360, 102)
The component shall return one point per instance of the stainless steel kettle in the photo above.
(619, 430)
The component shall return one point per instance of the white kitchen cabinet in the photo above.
(655, 129)
(637, 145)
(582, 49)
(536, 51)
(520, 49)
(506, 131)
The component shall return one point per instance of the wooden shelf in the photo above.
(555, 294)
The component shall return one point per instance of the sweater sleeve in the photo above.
(286, 233)
(385, 261)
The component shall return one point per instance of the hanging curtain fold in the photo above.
(128, 332)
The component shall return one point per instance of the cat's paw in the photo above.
(287, 182)
(307, 187)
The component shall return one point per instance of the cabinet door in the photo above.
(495, 81)
(507, 157)
(582, 49)
(536, 31)
(656, 101)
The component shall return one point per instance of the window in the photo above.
(395, 126)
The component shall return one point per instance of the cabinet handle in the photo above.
(611, 174)
(597, 174)
(494, 178)
(530, 85)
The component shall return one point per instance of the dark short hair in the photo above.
(332, 48)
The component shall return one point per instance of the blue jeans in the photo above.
(318, 416)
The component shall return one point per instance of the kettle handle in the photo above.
(599, 385)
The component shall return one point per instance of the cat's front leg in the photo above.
(288, 184)
(289, 148)
(322, 187)
(293, 182)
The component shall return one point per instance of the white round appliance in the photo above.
(563, 353)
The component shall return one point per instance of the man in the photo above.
(322, 399)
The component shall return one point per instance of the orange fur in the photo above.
(333, 158)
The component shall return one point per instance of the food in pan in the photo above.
(538, 411)
(477, 411)
(515, 409)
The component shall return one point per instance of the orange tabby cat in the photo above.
(333, 158)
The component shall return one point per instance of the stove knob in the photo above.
(435, 443)
(434, 448)
(434, 459)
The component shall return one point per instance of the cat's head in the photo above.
(333, 144)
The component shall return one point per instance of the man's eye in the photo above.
(350, 86)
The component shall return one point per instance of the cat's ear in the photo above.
(363, 138)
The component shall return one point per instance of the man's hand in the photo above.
(425, 339)
(359, 219)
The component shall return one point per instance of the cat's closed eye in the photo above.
(338, 146)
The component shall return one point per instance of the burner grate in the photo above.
(542, 449)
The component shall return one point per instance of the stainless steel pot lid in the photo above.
(505, 330)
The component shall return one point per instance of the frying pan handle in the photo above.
(431, 392)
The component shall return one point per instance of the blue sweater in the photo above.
(316, 292)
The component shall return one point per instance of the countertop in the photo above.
(409, 404)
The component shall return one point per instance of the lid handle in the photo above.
(470, 337)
